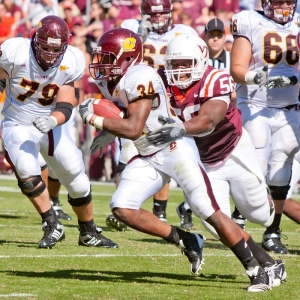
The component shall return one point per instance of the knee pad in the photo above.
(80, 201)
(279, 192)
(120, 167)
(52, 179)
(34, 185)
(44, 167)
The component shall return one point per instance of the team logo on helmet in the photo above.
(129, 44)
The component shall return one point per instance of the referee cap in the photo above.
(215, 24)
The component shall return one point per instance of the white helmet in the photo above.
(186, 46)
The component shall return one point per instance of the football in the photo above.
(107, 109)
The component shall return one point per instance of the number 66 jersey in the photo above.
(31, 91)
(273, 44)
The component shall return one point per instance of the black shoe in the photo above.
(161, 215)
(113, 223)
(193, 251)
(92, 237)
(278, 272)
(186, 217)
(271, 241)
(238, 219)
(59, 212)
(53, 233)
(260, 280)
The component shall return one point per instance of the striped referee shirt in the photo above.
(222, 62)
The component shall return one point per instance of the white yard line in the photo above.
(16, 295)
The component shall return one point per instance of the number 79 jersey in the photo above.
(272, 44)
(31, 91)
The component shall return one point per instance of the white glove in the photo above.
(44, 124)
(85, 109)
(280, 82)
(101, 141)
(144, 28)
(169, 132)
(260, 77)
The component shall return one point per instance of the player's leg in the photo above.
(22, 149)
(185, 214)
(160, 200)
(69, 168)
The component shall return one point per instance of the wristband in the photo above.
(54, 120)
(95, 121)
(249, 77)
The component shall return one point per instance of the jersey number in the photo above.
(276, 46)
(49, 91)
(149, 51)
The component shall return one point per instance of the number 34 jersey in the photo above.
(273, 44)
(31, 91)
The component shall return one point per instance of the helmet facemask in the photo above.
(279, 13)
(161, 23)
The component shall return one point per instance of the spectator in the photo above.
(16, 12)
(121, 11)
(67, 8)
(176, 11)
(38, 9)
(230, 7)
(197, 9)
(5, 24)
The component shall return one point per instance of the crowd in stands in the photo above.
(87, 21)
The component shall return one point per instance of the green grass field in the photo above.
(144, 267)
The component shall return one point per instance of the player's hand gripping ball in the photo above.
(107, 109)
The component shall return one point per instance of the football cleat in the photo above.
(193, 251)
(186, 217)
(271, 241)
(260, 280)
(277, 272)
(238, 219)
(92, 237)
(161, 215)
(113, 223)
(53, 233)
(59, 212)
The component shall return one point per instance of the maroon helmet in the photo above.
(116, 51)
(50, 41)
(286, 13)
(154, 7)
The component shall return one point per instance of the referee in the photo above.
(215, 38)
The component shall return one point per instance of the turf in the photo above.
(144, 267)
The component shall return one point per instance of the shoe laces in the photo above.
(48, 228)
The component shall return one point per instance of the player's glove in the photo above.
(85, 109)
(260, 77)
(144, 28)
(44, 124)
(281, 82)
(169, 132)
(101, 141)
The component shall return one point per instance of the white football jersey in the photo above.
(155, 45)
(273, 44)
(142, 81)
(30, 91)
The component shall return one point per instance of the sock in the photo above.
(275, 225)
(85, 226)
(260, 254)
(49, 215)
(176, 235)
(159, 205)
(242, 251)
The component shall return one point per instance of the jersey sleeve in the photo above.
(240, 24)
(144, 84)
(8, 54)
(79, 65)
(131, 24)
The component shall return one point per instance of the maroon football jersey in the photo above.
(216, 146)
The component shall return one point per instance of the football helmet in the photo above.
(162, 23)
(116, 51)
(50, 41)
(272, 10)
(186, 47)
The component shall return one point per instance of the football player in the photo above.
(39, 98)
(200, 97)
(156, 30)
(265, 44)
(121, 77)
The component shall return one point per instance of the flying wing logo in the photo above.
(40, 24)
(63, 68)
(129, 44)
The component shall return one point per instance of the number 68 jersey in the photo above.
(31, 91)
(273, 44)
